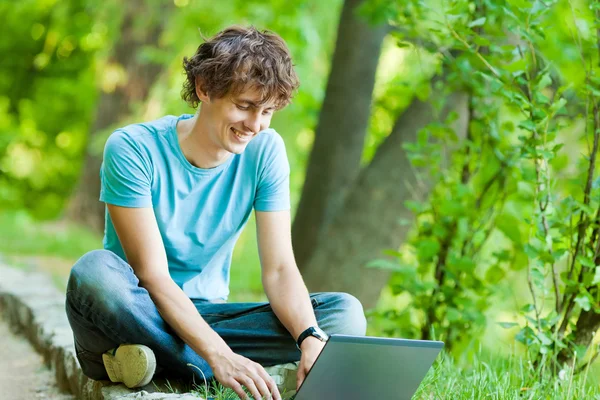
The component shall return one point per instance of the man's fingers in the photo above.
(271, 384)
(249, 383)
(261, 385)
(238, 389)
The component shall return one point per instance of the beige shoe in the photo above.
(284, 376)
(132, 364)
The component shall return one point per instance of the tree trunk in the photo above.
(586, 327)
(339, 139)
(113, 106)
(370, 219)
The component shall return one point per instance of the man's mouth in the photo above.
(243, 137)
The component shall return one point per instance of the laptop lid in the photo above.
(358, 368)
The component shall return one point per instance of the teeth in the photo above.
(238, 135)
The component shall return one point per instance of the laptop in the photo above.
(359, 368)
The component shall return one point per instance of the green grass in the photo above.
(501, 378)
(20, 234)
(498, 377)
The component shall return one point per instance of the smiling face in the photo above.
(230, 75)
(232, 121)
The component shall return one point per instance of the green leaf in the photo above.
(545, 81)
(531, 251)
(385, 264)
(583, 301)
(452, 315)
(527, 125)
(537, 276)
(517, 66)
(596, 279)
(452, 208)
(510, 227)
(508, 325)
(544, 339)
(494, 274)
(525, 336)
(558, 105)
(586, 262)
(392, 253)
(527, 308)
(477, 22)
(427, 249)
(481, 41)
(415, 206)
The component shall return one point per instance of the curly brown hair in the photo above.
(237, 59)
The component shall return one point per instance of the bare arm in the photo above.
(139, 235)
(284, 285)
(281, 279)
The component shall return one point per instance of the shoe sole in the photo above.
(132, 364)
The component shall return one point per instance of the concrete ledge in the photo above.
(34, 307)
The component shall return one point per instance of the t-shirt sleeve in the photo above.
(125, 174)
(273, 190)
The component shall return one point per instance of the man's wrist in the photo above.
(313, 332)
(214, 353)
(309, 342)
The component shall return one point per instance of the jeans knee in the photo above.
(98, 275)
(349, 316)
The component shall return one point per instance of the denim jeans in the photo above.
(107, 307)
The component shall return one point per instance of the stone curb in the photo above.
(35, 308)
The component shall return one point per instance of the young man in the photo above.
(178, 192)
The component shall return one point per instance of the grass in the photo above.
(502, 378)
(54, 247)
(497, 377)
(21, 235)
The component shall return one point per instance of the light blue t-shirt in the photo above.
(200, 212)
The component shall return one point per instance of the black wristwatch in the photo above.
(312, 331)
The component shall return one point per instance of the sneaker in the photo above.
(132, 364)
(284, 376)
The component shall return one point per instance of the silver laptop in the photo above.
(359, 368)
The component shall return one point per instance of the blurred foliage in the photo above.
(47, 98)
(55, 65)
(510, 197)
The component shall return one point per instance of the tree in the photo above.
(340, 134)
(115, 103)
(347, 214)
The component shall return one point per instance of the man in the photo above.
(178, 192)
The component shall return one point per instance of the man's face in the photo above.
(236, 120)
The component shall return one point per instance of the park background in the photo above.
(442, 155)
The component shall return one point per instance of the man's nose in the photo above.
(253, 123)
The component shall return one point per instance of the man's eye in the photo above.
(267, 112)
(241, 107)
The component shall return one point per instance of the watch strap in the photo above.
(308, 332)
(312, 331)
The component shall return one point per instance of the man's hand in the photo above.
(311, 348)
(234, 371)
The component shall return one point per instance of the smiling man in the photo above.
(178, 192)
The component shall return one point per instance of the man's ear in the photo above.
(200, 92)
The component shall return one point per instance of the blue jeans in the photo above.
(107, 307)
